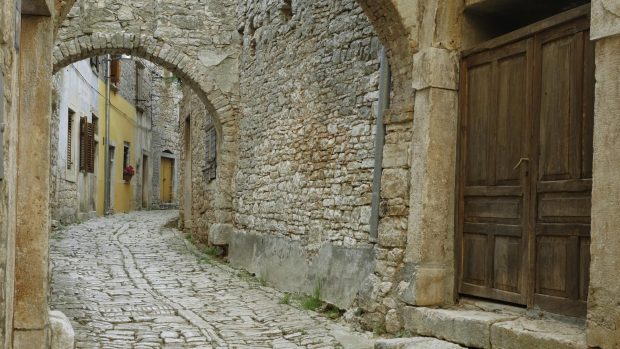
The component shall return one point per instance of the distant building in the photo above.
(140, 177)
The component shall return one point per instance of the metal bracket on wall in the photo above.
(1, 125)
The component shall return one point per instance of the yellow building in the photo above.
(130, 139)
(124, 125)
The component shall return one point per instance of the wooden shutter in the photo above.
(84, 148)
(70, 140)
(90, 155)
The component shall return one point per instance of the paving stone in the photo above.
(127, 282)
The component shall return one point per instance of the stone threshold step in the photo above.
(415, 343)
(493, 329)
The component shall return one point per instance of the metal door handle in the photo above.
(522, 160)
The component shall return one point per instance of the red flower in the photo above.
(129, 171)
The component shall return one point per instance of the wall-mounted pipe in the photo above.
(383, 105)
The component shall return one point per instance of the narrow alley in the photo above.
(129, 282)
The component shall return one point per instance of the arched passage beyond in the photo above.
(186, 68)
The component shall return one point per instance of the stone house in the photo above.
(299, 187)
(74, 192)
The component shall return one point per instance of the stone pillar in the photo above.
(429, 257)
(603, 325)
(33, 161)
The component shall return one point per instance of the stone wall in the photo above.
(166, 141)
(309, 88)
(72, 192)
(308, 83)
(205, 192)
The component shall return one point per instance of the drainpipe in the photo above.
(383, 105)
(107, 174)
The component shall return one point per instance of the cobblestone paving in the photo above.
(127, 282)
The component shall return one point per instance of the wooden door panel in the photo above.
(478, 130)
(507, 262)
(555, 128)
(474, 267)
(493, 209)
(564, 207)
(562, 184)
(511, 113)
(552, 263)
(492, 194)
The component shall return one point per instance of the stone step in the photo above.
(496, 330)
(415, 343)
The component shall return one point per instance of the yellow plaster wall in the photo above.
(123, 122)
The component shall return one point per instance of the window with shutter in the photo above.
(84, 148)
(70, 118)
(90, 155)
(211, 163)
(95, 124)
(126, 154)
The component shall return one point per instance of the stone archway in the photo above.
(197, 41)
(208, 66)
(172, 58)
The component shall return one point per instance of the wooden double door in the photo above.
(525, 169)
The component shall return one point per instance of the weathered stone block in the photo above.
(282, 262)
(605, 19)
(395, 184)
(30, 339)
(392, 232)
(539, 334)
(61, 331)
(395, 155)
(429, 286)
(469, 328)
(435, 67)
(219, 234)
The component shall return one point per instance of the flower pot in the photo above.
(127, 178)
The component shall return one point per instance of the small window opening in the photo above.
(126, 154)
(211, 152)
(94, 64)
(95, 119)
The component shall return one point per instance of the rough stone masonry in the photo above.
(309, 75)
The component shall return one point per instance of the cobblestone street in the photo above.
(128, 282)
